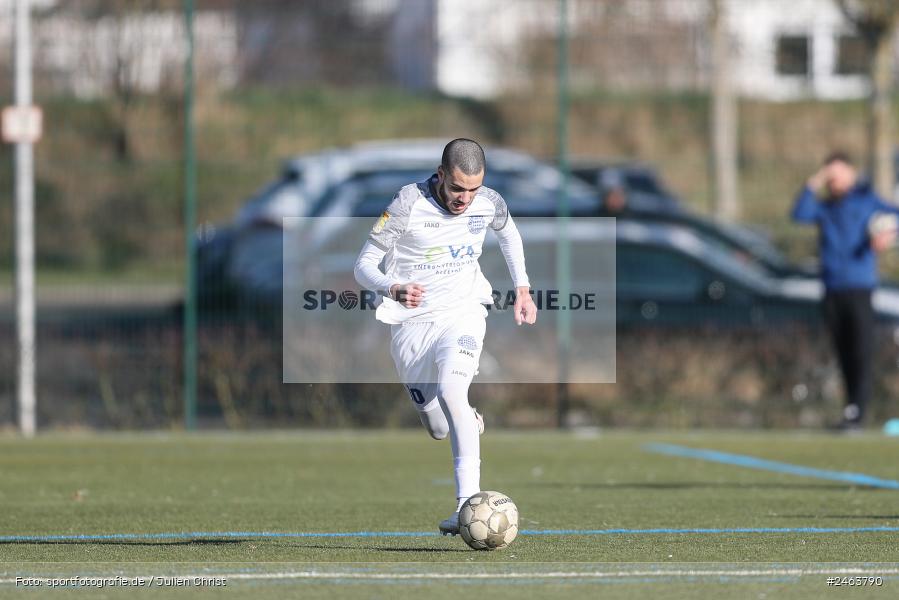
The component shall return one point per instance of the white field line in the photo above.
(663, 572)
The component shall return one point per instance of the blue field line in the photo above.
(192, 535)
(218, 535)
(750, 462)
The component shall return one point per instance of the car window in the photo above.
(658, 272)
(525, 194)
(754, 258)
(371, 204)
(280, 198)
(536, 193)
(592, 265)
(735, 244)
(375, 191)
(642, 182)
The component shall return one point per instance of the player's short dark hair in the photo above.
(838, 156)
(465, 155)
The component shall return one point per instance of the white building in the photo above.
(781, 50)
(808, 51)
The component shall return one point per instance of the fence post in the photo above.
(563, 245)
(190, 217)
(24, 161)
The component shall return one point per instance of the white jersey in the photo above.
(427, 245)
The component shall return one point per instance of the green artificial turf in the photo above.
(233, 485)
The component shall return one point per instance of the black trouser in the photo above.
(850, 318)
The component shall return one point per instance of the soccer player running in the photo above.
(429, 240)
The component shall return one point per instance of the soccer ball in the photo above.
(488, 521)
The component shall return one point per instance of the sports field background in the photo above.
(111, 167)
(300, 503)
(334, 491)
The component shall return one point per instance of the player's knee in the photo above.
(438, 432)
(435, 423)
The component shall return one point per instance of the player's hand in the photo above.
(410, 295)
(525, 309)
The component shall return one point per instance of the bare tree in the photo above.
(876, 21)
(285, 42)
(723, 117)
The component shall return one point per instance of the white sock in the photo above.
(464, 437)
(468, 477)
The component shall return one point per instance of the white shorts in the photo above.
(426, 352)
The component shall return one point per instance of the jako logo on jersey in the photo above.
(456, 252)
(347, 299)
(476, 224)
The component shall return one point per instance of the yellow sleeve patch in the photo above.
(382, 221)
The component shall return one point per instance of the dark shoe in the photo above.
(450, 525)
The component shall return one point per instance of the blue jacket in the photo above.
(847, 260)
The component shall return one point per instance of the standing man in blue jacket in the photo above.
(842, 206)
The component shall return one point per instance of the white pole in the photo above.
(25, 227)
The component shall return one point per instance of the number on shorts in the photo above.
(417, 396)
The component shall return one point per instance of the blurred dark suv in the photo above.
(645, 198)
(240, 263)
(674, 266)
